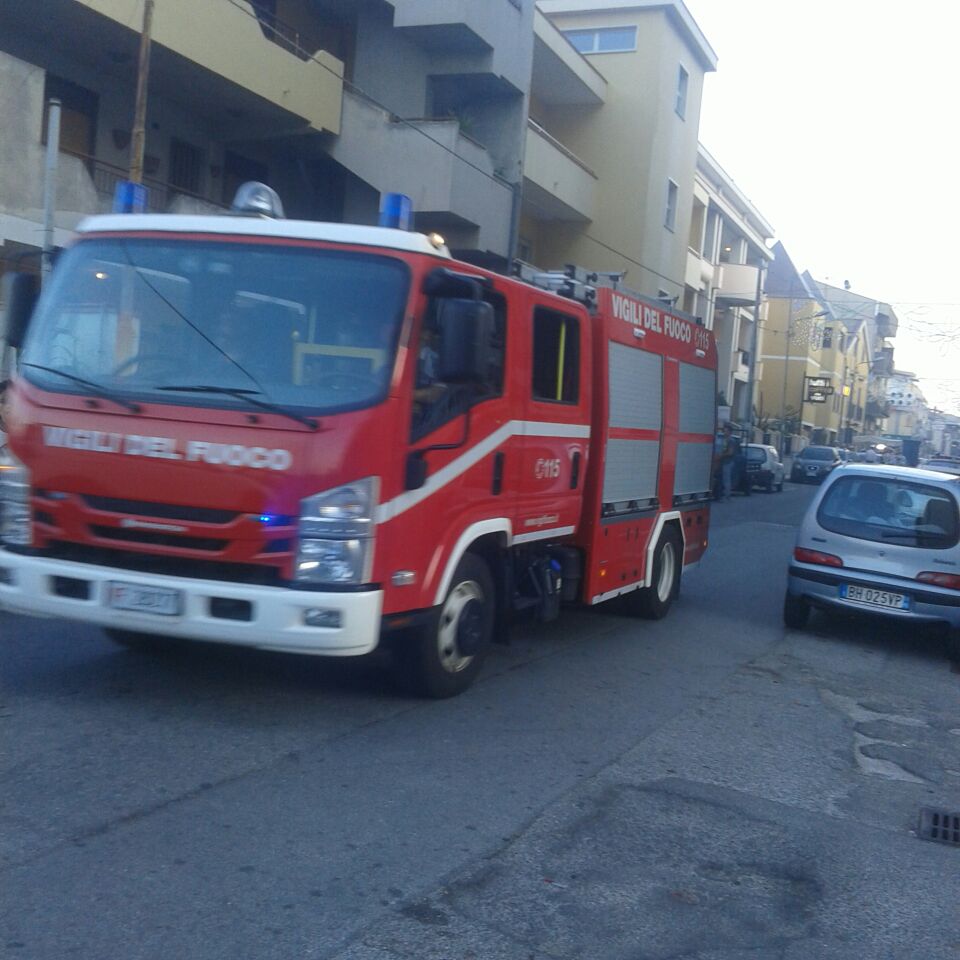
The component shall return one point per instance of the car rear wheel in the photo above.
(796, 612)
(780, 487)
(768, 484)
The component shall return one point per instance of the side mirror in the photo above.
(466, 333)
(20, 296)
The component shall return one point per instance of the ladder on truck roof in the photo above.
(577, 283)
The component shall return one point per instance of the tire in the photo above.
(796, 612)
(431, 658)
(654, 602)
(133, 640)
(953, 645)
(768, 486)
(780, 487)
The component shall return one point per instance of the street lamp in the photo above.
(791, 324)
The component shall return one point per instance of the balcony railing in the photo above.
(553, 141)
(160, 193)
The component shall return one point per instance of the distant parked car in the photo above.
(881, 540)
(763, 467)
(814, 463)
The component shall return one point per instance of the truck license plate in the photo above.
(874, 597)
(133, 596)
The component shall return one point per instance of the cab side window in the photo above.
(556, 357)
(436, 402)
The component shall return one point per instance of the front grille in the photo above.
(163, 511)
(153, 539)
(253, 573)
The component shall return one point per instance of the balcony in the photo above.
(493, 34)
(738, 283)
(557, 185)
(699, 271)
(217, 56)
(423, 158)
(561, 75)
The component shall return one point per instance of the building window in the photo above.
(604, 40)
(683, 79)
(78, 115)
(670, 218)
(186, 166)
(827, 338)
(556, 357)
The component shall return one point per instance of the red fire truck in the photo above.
(320, 438)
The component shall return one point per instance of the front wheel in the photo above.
(444, 658)
(654, 602)
(796, 612)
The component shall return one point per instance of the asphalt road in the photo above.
(708, 787)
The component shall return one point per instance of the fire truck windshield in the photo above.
(311, 330)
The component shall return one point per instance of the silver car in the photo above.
(881, 540)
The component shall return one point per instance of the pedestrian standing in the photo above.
(728, 454)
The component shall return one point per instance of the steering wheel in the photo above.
(162, 363)
(348, 382)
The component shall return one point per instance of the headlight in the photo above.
(15, 526)
(337, 534)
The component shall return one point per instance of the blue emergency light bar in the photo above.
(396, 210)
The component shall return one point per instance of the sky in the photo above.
(840, 120)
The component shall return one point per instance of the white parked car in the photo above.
(763, 466)
(881, 540)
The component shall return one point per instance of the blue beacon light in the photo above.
(396, 210)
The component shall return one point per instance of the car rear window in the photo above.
(817, 453)
(893, 511)
(756, 455)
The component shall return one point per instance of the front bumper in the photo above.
(928, 604)
(35, 585)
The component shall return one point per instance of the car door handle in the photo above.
(575, 470)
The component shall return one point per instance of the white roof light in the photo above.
(254, 199)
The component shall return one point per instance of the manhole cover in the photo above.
(939, 825)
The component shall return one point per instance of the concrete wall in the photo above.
(226, 39)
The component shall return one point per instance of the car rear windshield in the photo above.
(817, 453)
(756, 454)
(893, 511)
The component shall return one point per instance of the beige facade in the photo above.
(727, 257)
(629, 143)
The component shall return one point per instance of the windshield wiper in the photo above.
(243, 394)
(95, 389)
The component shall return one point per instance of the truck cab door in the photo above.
(556, 429)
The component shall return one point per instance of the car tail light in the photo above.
(802, 555)
(949, 580)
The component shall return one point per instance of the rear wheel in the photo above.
(768, 484)
(796, 612)
(654, 602)
(445, 657)
(780, 487)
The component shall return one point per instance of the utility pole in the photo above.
(140, 110)
(786, 373)
(751, 376)
(50, 186)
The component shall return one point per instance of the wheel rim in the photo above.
(460, 619)
(668, 567)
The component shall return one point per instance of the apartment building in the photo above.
(332, 103)
(727, 256)
(612, 144)
(876, 324)
(908, 407)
